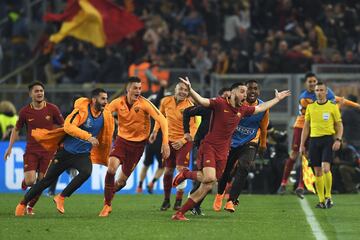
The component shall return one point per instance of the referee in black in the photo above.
(323, 123)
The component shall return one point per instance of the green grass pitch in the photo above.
(138, 217)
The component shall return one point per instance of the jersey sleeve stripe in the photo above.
(153, 106)
(74, 116)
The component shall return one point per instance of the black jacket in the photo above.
(203, 129)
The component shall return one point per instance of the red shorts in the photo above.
(209, 157)
(37, 161)
(296, 139)
(179, 157)
(129, 153)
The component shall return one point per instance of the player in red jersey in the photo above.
(37, 114)
(213, 151)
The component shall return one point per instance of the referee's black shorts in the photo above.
(320, 150)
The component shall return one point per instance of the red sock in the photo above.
(190, 204)
(167, 185)
(109, 188)
(191, 175)
(179, 194)
(34, 200)
(287, 169)
(23, 185)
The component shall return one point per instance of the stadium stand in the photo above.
(286, 36)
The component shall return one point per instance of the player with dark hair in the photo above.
(172, 108)
(134, 113)
(153, 149)
(85, 139)
(212, 155)
(37, 114)
(249, 133)
(203, 129)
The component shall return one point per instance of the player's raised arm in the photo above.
(345, 102)
(278, 97)
(264, 123)
(199, 99)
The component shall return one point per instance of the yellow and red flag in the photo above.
(100, 22)
(308, 175)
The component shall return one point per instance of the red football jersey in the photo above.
(32, 118)
(224, 120)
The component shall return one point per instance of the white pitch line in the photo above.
(311, 219)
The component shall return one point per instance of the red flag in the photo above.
(118, 23)
(71, 9)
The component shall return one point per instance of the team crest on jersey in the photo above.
(88, 123)
(136, 109)
(48, 117)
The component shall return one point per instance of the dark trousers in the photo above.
(243, 156)
(245, 162)
(62, 161)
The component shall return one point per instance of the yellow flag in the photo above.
(308, 175)
(86, 25)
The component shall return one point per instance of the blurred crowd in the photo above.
(211, 36)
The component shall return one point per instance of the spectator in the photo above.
(351, 121)
(238, 61)
(17, 32)
(155, 26)
(194, 23)
(54, 70)
(214, 54)
(316, 35)
(222, 63)
(8, 119)
(281, 58)
(201, 62)
(349, 58)
(87, 69)
(336, 58)
(347, 162)
(236, 25)
(112, 69)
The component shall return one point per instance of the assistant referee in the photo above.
(323, 122)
